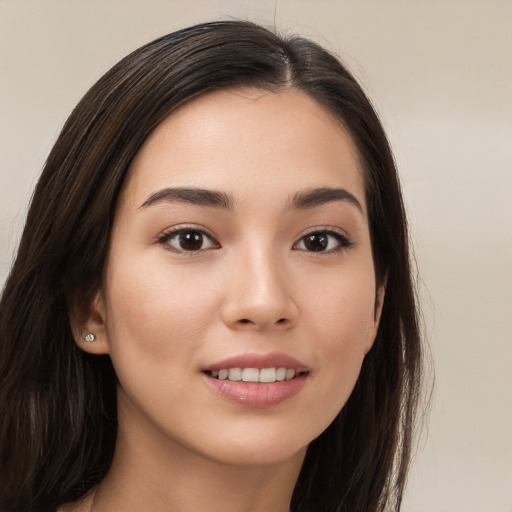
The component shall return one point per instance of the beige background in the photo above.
(440, 74)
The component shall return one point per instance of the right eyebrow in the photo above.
(197, 196)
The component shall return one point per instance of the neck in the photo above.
(159, 475)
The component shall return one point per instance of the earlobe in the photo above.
(90, 332)
(379, 302)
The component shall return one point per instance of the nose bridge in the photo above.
(259, 295)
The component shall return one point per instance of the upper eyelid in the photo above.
(187, 227)
(323, 229)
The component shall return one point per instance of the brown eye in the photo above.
(192, 241)
(188, 240)
(316, 242)
(323, 241)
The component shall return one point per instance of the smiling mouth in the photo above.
(255, 375)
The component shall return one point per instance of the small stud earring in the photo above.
(89, 337)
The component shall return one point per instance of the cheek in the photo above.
(343, 309)
(156, 306)
(156, 320)
(343, 319)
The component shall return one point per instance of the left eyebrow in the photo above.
(320, 196)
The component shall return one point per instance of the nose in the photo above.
(259, 294)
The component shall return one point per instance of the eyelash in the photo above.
(343, 242)
(171, 233)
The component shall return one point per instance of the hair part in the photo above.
(59, 421)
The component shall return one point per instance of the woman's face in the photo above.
(240, 249)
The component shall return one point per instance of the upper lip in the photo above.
(260, 361)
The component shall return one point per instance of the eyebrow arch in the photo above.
(197, 196)
(321, 196)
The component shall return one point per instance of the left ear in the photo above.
(374, 326)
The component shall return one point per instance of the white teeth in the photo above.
(250, 374)
(280, 373)
(265, 375)
(235, 374)
(268, 375)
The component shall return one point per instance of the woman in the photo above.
(212, 303)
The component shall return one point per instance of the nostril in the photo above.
(254, 322)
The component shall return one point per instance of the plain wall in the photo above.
(440, 75)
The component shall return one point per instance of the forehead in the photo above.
(247, 139)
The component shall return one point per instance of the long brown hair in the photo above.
(58, 404)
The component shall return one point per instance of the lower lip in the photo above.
(257, 395)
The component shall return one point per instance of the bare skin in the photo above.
(273, 268)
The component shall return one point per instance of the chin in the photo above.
(255, 445)
(254, 456)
